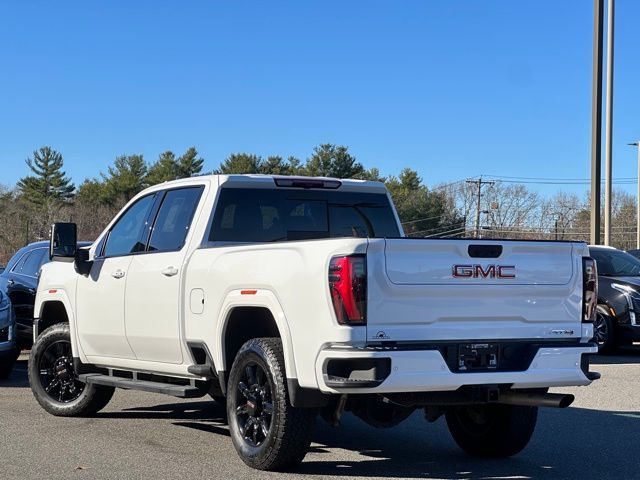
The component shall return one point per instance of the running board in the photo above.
(181, 391)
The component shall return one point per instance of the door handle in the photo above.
(11, 282)
(117, 274)
(170, 271)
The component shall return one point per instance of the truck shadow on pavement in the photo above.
(573, 443)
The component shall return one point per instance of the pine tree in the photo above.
(330, 160)
(168, 167)
(49, 183)
(238, 163)
(189, 164)
(164, 169)
(125, 179)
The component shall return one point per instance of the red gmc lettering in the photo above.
(489, 271)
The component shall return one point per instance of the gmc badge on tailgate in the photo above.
(488, 271)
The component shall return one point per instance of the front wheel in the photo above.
(267, 432)
(492, 430)
(53, 379)
(603, 331)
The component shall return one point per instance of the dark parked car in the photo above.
(617, 320)
(19, 282)
(8, 350)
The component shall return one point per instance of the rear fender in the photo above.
(261, 298)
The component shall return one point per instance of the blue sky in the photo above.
(451, 88)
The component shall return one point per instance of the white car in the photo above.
(286, 297)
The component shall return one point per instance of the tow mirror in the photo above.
(64, 241)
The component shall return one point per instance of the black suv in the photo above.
(19, 282)
(617, 320)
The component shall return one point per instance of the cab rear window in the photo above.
(270, 215)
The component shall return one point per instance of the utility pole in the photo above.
(596, 121)
(479, 183)
(637, 144)
(608, 124)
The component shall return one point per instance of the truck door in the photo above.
(100, 295)
(154, 287)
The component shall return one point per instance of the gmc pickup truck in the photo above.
(286, 298)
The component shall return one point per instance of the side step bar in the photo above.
(181, 391)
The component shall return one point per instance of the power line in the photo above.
(479, 183)
(424, 219)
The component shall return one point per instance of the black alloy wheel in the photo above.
(266, 430)
(53, 378)
(255, 414)
(57, 375)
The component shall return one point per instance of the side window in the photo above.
(126, 235)
(34, 261)
(174, 219)
(17, 268)
(248, 216)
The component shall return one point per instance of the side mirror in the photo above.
(82, 262)
(64, 241)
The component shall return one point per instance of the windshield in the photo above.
(616, 263)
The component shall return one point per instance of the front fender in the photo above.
(57, 295)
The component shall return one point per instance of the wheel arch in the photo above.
(52, 307)
(242, 320)
(51, 313)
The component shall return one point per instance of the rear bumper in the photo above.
(427, 370)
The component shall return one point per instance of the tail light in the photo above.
(348, 285)
(589, 288)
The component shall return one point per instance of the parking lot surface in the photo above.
(148, 436)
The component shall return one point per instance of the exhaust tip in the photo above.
(566, 400)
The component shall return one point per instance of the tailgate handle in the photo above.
(485, 251)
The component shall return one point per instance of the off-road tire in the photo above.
(290, 430)
(92, 398)
(492, 430)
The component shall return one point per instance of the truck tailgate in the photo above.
(423, 290)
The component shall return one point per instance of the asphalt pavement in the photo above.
(149, 436)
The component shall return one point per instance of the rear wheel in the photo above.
(53, 379)
(267, 432)
(492, 430)
(603, 330)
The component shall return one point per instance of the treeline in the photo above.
(47, 194)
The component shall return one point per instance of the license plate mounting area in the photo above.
(474, 357)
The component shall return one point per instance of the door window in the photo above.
(20, 263)
(34, 262)
(30, 263)
(174, 219)
(126, 236)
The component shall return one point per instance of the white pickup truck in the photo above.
(289, 297)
